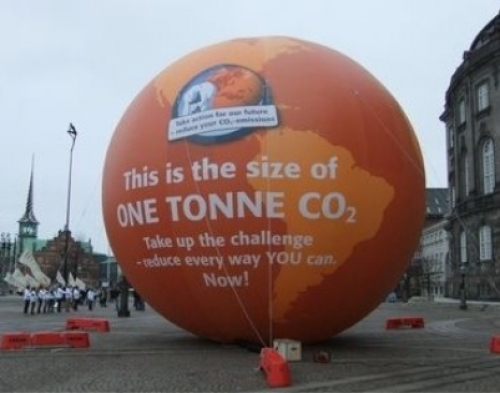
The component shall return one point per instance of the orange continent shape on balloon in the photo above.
(362, 213)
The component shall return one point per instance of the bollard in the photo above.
(275, 367)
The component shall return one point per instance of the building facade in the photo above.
(80, 261)
(429, 271)
(435, 260)
(61, 253)
(433, 255)
(472, 121)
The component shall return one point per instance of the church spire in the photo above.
(28, 223)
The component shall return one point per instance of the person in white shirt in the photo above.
(26, 298)
(90, 298)
(33, 300)
(76, 298)
(59, 295)
(48, 304)
(69, 298)
(41, 299)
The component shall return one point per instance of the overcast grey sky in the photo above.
(84, 62)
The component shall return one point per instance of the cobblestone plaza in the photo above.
(145, 353)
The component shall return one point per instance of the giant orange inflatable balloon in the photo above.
(264, 188)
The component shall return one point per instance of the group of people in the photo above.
(55, 299)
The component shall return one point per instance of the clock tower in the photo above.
(28, 224)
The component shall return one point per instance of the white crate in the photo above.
(291, 350)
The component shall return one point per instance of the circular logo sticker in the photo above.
(222, 103)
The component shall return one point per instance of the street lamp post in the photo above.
(72, 133)
(463, 292)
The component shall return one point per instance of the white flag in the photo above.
(60, 279)
(71, 280)
(29, 260)
(19, 278)
(80, 284)
(31, 281)
(9, 279)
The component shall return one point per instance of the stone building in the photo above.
(80, 262)
(428, 271)
(434, 245)
(50, 254)
(472, 120)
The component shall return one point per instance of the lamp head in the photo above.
(72, 130)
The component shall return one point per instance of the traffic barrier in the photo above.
(60, 339)
(495, 344)
(45, 339)
(15, 340)
(77, 339)
(276, 368)
(404, 322)
(92, 324)
(48, 339)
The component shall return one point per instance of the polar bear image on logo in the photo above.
(197, 98)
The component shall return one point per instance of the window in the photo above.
(483, 98)
(485, 243)
(461, 111)
(463, 247)
(484, 290)
(488, 167)
(451, 137)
